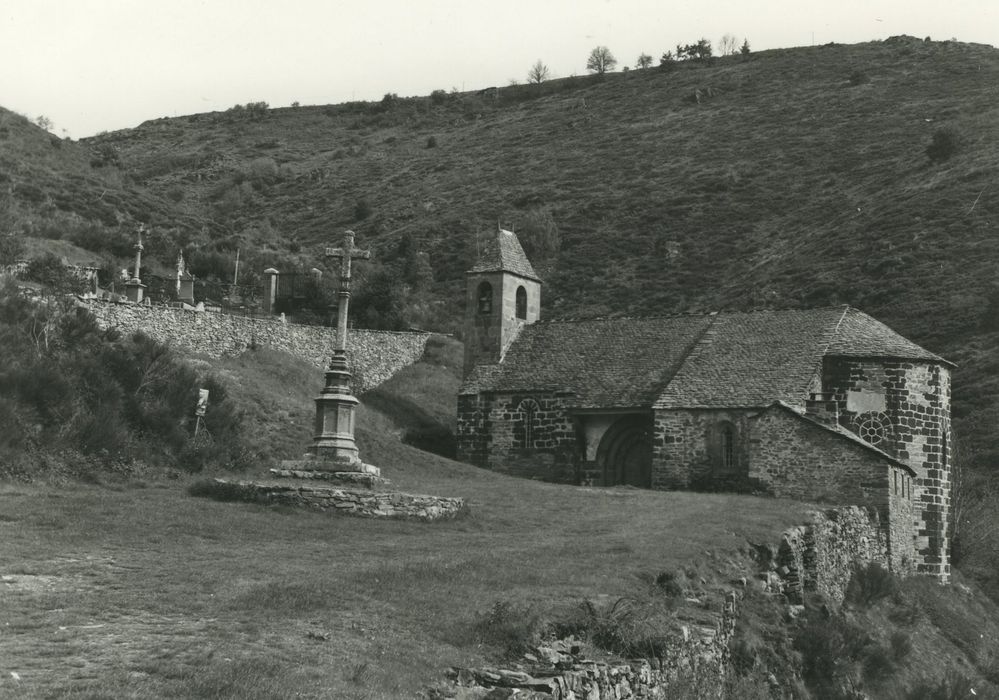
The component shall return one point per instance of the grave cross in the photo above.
(346, 252)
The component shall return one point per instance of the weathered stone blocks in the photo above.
(374, 355)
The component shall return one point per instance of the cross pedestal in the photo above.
(333, 448)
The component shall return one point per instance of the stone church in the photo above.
(826, 405)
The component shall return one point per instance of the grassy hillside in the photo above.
(789, 178)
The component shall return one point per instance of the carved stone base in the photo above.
(328, 470)
(333, 448)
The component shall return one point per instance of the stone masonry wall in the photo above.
(492, 432)
(914, 398)
(371, 504)
(819, 556)
(681, 446)
(797, 459)
(471, 432)
(901, 516)
(374, 355)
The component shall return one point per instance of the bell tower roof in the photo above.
(503, 253)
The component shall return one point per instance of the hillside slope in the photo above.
(793, 177)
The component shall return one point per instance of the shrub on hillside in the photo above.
(11, 248)
(512, 628)
(88, 390)
(837, 655)
(50, 271)
(869, 584)
(859, 77)
(945, 144)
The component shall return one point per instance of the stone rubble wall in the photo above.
(374, 355)
(699, 657)
(820, 556)
(372, 504)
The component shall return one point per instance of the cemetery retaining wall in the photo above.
(374, 355)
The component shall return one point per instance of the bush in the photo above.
(953, 686)
(945, 144)
(11, 248)
(859, 77)
(514, 629)
(362, 210)
(86, 391)
(869, 584)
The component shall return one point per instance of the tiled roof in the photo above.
(621, 362)
(752, 359)
(723, 360)
(502, 253)
(859, 335)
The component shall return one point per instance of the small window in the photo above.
(723, 447)
(528, 413)
(485, 298)
(727, 448)
(521, 303)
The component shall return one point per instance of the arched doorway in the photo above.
(625, 452)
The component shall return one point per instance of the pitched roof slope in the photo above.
(725, 360)
(859, 335)
(503, 253)
(752, 359)
(620, 362)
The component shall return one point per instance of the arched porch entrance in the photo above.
(625, 452)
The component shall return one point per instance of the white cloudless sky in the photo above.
(95, 65)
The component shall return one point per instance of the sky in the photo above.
(100, 65)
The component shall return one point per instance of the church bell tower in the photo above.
(502, 294)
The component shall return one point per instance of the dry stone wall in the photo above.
(697, 657)
(374, 355)
(371, 504)
(820, 556)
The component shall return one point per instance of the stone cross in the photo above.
(138, 252)
(346, 252)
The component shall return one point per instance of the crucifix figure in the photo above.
(333, 447)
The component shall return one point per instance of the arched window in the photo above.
(528, 414)
(727, 447)
(485, 298)
(723, 448)
(521, 303)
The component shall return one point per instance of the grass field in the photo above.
(137, 589)
(148, 592)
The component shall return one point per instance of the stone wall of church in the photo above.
(795, 458)
(905, 406)
(685, 445)
(374, 355)
(527, 435)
